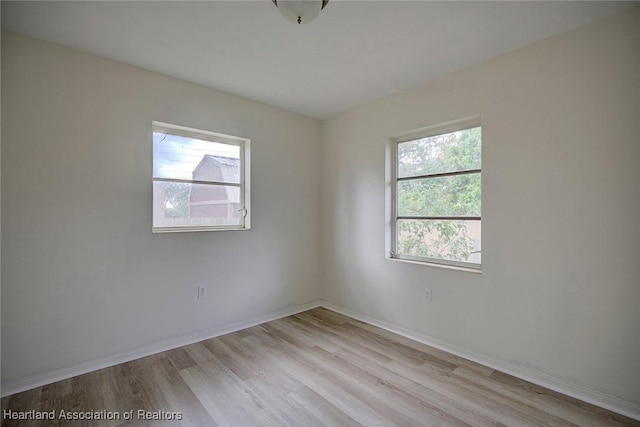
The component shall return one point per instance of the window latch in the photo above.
(244, 212)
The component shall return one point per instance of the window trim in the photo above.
(245, 175)
(392, 189)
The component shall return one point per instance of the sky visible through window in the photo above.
(177, 156)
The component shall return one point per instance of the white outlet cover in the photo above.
(202, 292)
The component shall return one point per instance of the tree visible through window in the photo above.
(200, 180)
(437, 193)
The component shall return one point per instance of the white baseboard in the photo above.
(105, 362)
(612, 403)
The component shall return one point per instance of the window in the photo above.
(436, 187)
(200, 180)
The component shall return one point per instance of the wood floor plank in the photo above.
(218, 400)
(235, 355)
(180, 358)
(199, 353)
(316, 368)
(288, 410)
(229, 402)
(546, 402)
(282, 357)
(437, 353)
(380, 393)
(22, 402)
(485, 404)
(322, 409)
(450, 411)
(338, 341)
(570, 407)
(352, 336)
(177, 394)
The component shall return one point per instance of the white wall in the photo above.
(83, 276)
(559, 291)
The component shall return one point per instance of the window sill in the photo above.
(473, 270)
(195, 229)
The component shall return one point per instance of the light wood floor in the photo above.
(312, 369)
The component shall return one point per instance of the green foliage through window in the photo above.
(438, 197)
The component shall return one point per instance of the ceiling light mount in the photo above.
(300, 11)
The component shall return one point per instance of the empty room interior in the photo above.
(320, 213)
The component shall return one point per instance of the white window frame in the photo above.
(245, 175)
(391, 194)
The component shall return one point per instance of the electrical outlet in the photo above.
(202, 291)
(427, 294)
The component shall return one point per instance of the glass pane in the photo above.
(191, 205)
(457, 195)
(449, 152)
(449, 240)
(180, 157)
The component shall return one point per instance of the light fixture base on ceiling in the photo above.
(300, 11)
